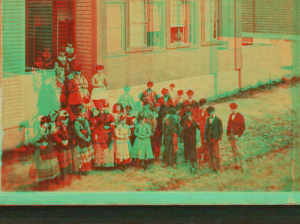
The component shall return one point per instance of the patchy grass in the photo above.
(266, 146)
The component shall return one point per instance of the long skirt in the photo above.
(123, 147)
(103, 157)
(85, 156)
(65, 160)
(142, 149)
(47, 169)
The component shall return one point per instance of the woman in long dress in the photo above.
(142, 149)
(99, 84)
(47, 166)
(122, 143)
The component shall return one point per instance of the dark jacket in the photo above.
(237, 125)
(217, 129)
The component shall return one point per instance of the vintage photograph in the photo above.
(150, 95)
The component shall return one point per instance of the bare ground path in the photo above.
(267, 147)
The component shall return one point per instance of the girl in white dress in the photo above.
(122, 143)
(99, 84)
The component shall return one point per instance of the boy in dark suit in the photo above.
(212, 136)
(235, 129)
(149, 95)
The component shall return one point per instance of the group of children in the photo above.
(85, 136)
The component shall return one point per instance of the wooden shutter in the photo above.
(86, 36)
(274, 16)
(248, 18)
(13, 22)
(38, 29)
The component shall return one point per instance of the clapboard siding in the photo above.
(85, 35)
(248, 16)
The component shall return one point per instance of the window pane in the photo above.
(136, 26)
(154, 24)
(114, 28)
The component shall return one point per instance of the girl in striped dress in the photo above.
(83, 142)
(62, 147)
(122, 143)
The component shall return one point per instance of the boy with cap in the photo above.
(170, 130)
(235, 129)
(189, 126)
(178, 102)
(190, 102)
(149, 95)
(202, 152)
(126, 99)
(212, 136)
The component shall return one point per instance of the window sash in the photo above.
(114, 28)
(209, 12)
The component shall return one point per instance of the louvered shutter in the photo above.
(38, 29)
(85, 35)
(13, 22)
(248, 17)
(274, 16)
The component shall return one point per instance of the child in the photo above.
(61, 65)
(82, 85)
(99, 84)
(142, 147)
(93, 121)
(118, 110)
(104, 155)
(62, 148)
(44, 156)
(172, 91)
(70, 55)
(47, 58)
(83, 142)
(126, 99)
(130, 120)
(39, 64)
(74, 98)
(122, 143)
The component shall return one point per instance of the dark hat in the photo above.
(190, 92)
(202, 101)
(150, 84)
(100, 67)
(172, 85)
(180, 92)
(164, 91)
(172, 111)
(233, 105)
(210, 109)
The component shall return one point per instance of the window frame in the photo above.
(205, 42)
(194, 43)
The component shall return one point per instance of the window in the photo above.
(209, 22)
(181, 23)
(49, 26)
(114, 24)
(133, 26)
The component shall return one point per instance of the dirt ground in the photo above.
(266, 145)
